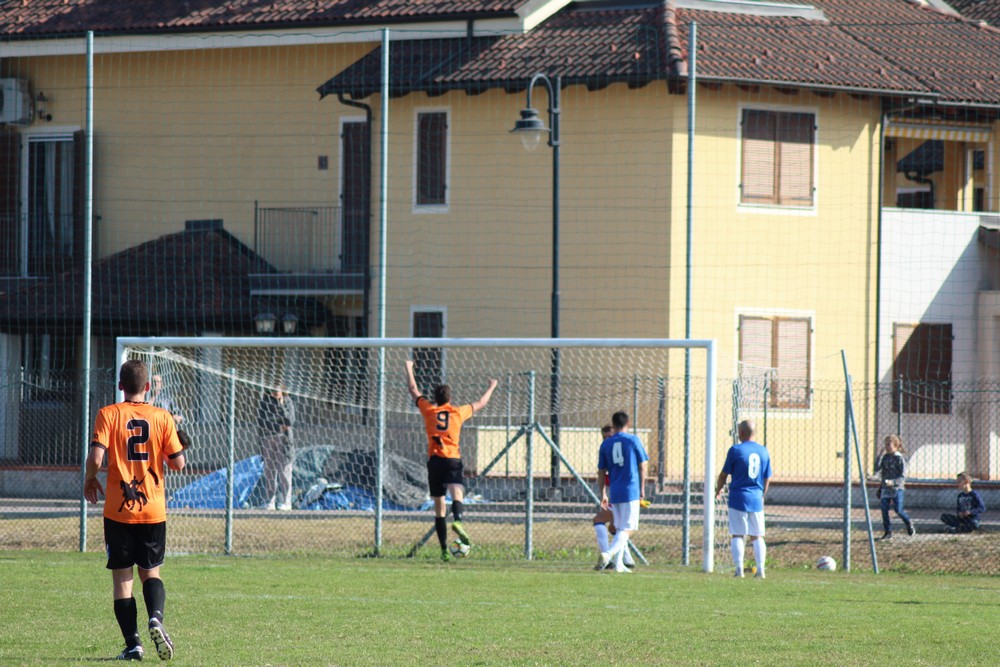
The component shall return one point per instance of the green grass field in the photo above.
(56, 608)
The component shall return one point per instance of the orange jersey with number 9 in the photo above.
(138, 438)
(443, 424)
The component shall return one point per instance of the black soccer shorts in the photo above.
(442, 472)
(128, 544)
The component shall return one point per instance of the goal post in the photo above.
(352, 402)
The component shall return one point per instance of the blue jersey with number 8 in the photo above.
(621, 455)
(750, 465)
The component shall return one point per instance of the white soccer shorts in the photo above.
(746, 523)
(626, 515)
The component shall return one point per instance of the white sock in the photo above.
(737, 546)
(602, 536)
(759, 553)
(620, 542)
(627, 556)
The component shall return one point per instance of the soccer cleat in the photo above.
(131, 653)
(910, 530)
(600, 564)
(446, 555)
(460, 531)
(164, 647)
(629, 564)
(603, 560)
(759, 575)
(624, 570)
(738, 574)
(887, 536)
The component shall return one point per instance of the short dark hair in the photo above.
(620, 420)
(607, 429)
(133, 377)
(442, 394)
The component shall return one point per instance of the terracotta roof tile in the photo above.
(885, 46)
(978, 10)
(58, 17)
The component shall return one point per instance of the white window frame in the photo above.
(775, 209)
(809, 315)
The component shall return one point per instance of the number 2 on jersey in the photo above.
(137, 440)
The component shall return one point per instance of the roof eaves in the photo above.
(894, 92)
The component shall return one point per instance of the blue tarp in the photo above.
(209, 492)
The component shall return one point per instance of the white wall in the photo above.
(933, 270)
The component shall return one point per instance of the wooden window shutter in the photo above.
(795, 133)
(792, 360)
(10, 201)
(759, 184)
(923, 358)
(755, 341)
(79, 196)
(432, 154)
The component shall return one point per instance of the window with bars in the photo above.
(778, 149)
(432, 159)
(782, 343)
(921, 368)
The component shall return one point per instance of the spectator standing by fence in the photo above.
(890, 470)
(275, 422)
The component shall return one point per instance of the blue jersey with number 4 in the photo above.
(621, 455)
(750, 465)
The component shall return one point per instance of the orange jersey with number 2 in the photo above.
(443, 424)
(138, 438)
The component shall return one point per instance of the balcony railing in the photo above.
(300, 239)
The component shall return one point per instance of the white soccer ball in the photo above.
(458, 549)
(827, 564)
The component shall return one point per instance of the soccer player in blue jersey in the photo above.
(624, 460)
(749, 464)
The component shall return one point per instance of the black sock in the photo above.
(125, 613)
(155, 596)
(457, 506)
(441, 526)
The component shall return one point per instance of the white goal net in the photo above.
(359, 452)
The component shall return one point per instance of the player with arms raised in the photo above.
(443, 423)
(623, 458)
(139, 440)
(749, 463)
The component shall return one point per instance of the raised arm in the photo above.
(485, 398)
(411, 382)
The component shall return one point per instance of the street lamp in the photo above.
(531, 128)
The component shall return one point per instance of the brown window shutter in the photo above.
(755, 341)
(795, 133)
(79, 196)
(10, 201)
(759, 183)
(792, 361)
(432, 155)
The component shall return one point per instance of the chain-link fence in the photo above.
(513, 514)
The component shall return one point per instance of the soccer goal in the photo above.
(360, 451)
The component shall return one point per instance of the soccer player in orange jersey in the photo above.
(443, 423)
(139, 440)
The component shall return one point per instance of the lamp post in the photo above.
(531, 128)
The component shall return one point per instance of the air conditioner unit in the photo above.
(15, 102)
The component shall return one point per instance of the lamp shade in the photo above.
(530, 128)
